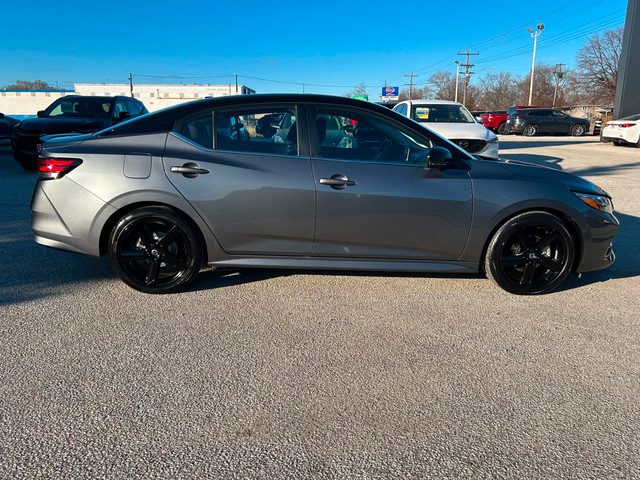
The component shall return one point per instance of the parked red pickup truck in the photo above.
(497, 122)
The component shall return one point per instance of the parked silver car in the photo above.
(167, 193)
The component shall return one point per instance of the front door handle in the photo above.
(189, 170)
(338, 181)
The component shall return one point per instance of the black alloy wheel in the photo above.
(578, 130)
(502, 128)
(530, 130)
(152, 249)
(530, 254)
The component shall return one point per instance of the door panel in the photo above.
(253, 202)
(393, 211)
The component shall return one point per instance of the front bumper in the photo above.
(597, 251)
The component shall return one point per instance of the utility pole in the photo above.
(131, 84)
(411, 75)
(466, 66)
(558, 77)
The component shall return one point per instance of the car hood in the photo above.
(572, 182)
(46, 125)
(471, 131)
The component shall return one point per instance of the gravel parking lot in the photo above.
(278, 374)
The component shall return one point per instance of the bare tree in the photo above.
(444, 85)
(598, 62)
(28, 85)
(359, 89)
(498, 91)
(544, 85)
(416, 93)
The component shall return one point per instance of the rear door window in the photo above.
(258, 129)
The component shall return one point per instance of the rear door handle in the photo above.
(338, 181)
(189, 170)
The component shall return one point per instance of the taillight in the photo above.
(626, 125)
(52, 168)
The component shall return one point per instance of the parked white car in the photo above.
(452, 121)
(624, 131)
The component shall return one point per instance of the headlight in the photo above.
(493, 140)
(599, 202)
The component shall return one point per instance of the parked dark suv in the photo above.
(70, 114)
(532, 121)
(6, 123)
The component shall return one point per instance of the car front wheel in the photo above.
(530, 254)
(154, 250)
(530, 130)
(502, 128)
(578, 130)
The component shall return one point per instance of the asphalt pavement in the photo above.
(280, 374)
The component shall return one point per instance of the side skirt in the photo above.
(366, 264)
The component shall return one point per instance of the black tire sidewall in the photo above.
(169, 215)
(500, 238)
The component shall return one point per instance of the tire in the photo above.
(154, 250)
(529, 130)
(530, 254)
(578, 130)
(502, 128)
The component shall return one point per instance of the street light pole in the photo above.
(457, 77)
(534, 35)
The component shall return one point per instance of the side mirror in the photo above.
(123, 115)
(438, 157)
(40, 113)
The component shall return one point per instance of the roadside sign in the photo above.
(390, 94)
(361, 97)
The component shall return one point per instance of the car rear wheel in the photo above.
(154, 250)
(530, 254)
(530, 130)
(578, 130)
(502, 128)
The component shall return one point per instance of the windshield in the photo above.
(441, 113)
(79, 107)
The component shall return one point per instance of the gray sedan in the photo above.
(168, 193)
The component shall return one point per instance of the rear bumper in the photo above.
(609, 137)
(66, 227)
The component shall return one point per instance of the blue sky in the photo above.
(323, 47)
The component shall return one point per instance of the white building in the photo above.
(154, 97)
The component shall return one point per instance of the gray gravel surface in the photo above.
(278, 374)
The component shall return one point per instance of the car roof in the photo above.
(100, 97)
(432, 102)
(161, 120)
